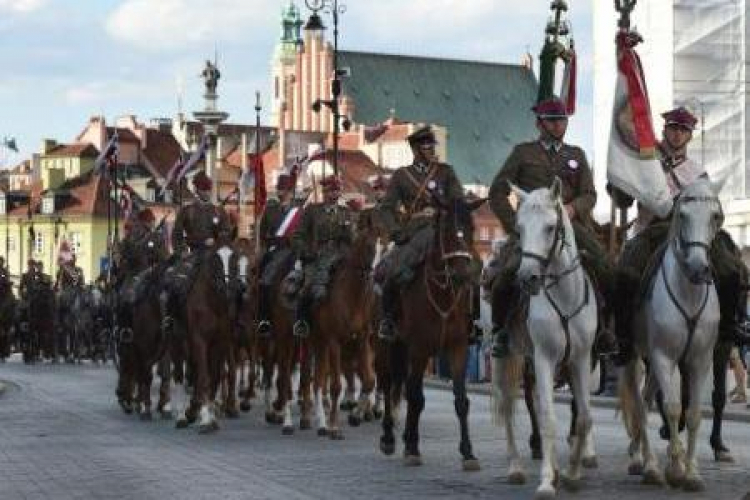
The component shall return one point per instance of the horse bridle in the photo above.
(682, 246)
(558, 243)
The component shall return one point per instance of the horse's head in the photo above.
(154, 247)
(696, 219)
(544, 230)
(454, 241)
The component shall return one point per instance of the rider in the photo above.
(27, 279)
(198, 228)
(651, 232)
(275, 233)
(132, 246)
(409, 211)
(69, 275)
(534, 165)
(325, 230)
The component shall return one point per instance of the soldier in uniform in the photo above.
(651, 232)
(3, 269)
(198, 229)
(409, 210)
(132, 247)
(326, 229)
(27, 280)
(276, 247)
(534, 165)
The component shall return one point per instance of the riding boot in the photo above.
(389, 303)
(301, 327)
(264, 311)
(505, 302)
(627, 286)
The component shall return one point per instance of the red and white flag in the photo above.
(290, 222)
(569, 82)
(632, 163)
(64, 253)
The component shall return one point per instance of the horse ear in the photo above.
(475, 204)
(520, 193)
(556, 189)
(717, 182)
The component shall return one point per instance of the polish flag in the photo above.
(290, 222)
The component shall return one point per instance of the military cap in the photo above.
(681, 117)
(550, 109)
(202, 182)
(146, 215)
(285, 182)
(424, 135)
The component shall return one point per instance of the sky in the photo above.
(64, 61)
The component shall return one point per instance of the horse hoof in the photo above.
(245, 406)
(470, 464)
(336, 435)
(693, 485)
(287, 430)
(570, 484)
(322, 431)
(545, 493)
(305, 424)
(232, 412)
(347, 405)
(208, 428)
(517, 478)
(377, 414)
(635, 469)
(652, 478)
(368, 416)
(354, 420)
(146, 416)
(274, 419)
(723, 457)
(127, 409)
(387, 448)
(181, 423)
(590, 463)
(412, 460)
(675, 476)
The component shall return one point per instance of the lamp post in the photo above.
(335, 8)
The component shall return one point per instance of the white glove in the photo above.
(298, 265)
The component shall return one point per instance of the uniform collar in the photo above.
(421, 167)
(551, 146)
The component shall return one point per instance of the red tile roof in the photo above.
(162, 150)
(85, 150)
(124, 134)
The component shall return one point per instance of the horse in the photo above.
(205, 319)
(7, 314)
(38, 327)
(676, 325)
(435, 310)
(143, 342)
(560, 322)
(343, 319)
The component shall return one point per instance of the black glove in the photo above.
(622, 199)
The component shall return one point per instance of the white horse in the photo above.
(561, 324)
(677, 324)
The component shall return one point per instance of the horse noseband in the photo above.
(457, 255)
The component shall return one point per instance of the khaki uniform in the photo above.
(534, 165)
(200, 225)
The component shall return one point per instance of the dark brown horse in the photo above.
(435, 308)
(7, 314)
(38, 327)
(344, 318)
(206, 323)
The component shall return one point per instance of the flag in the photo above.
(632, 163)
(300, 165)
(197, 155)
(126, 202)
(108, 154)
(10, 143)
(290, 222)
(245, 183)
(64, 253)
(259, 177)
(569, 82)
(178, 164)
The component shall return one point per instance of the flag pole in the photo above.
(256, 190)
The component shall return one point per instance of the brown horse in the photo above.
(206, 323)
(38, 328)
(345, 318)
(435, 308)
(7, 314)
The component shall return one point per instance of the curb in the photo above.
(596, 401)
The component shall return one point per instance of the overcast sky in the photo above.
(63, 61)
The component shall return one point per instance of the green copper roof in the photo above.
(484, 106)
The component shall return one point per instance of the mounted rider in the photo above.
(651, 233)
(325, 232)
(199, 229)
(409, 211)
(535, 165)
(276, 227)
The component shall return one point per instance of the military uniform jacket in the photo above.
(323, 228)
(531, 166)
(197, 224)
(408, 205)
(273, 217)
(69, 276)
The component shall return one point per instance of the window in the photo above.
(39, 243)
(48, 205)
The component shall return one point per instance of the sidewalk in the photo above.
(733, 412)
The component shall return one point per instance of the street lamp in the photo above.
(335, 8)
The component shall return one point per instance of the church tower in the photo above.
(284, 59)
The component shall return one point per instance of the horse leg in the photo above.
(506, 379)
(461, 405)
(719, 400)
(579, 381)
(385, 381)
(305, 390)
(334, 358)
(543, 368)
(144, 389)
(207, 420)
(415, 405)
(231, 408)
(698, 374)
(363, 408)
(349, 402)
(535, 440)
(667, 375)
(164, 407)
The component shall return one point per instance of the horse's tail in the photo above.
(507, 374)
(627, 392)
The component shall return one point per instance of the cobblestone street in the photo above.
(64, 437)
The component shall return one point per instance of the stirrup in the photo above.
(264, 328)
(301, 329)
(387, 330)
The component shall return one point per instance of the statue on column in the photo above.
(211, 76)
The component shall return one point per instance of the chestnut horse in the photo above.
(345, 318)
(435, 312)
